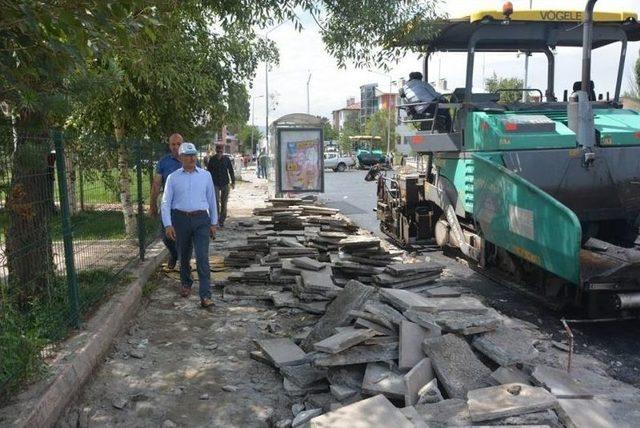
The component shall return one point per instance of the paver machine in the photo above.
(543, 191)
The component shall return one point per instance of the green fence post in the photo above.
(141, 228)
(81, 174)
(67, 237)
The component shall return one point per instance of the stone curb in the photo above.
(94, 341)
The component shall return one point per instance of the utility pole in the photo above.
(389, 118)
(253, 122)
(526, 67)
(308, 80)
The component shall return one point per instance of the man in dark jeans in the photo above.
(221, 168)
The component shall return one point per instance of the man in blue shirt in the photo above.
(165, 166)
(190, 216)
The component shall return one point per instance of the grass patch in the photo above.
(25, 334)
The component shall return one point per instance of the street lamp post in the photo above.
(253, 120)
(308, 80)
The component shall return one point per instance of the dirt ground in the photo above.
(179, 365)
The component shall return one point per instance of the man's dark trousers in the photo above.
(222, 197)
(193, 232)
(169, 243)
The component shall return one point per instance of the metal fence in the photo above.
(73, 216)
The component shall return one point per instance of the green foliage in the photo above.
(351, 127)
(379, 124)
(494, 83)
(244, 138)
(328, 132)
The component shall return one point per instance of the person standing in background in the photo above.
(220, 167)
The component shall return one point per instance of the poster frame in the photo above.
(279, 160)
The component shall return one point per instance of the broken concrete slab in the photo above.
(320, 401)
(254, 292)
(382, 320)
(457, 322)
(560, 383)
(304, 417)
(384, 310)
(511, 399)
(584, 413)
(456, 366)
(380, 379)
(409, 269)
(416, 419)
(359, 355)
(442, 291)
(504, 375)
(366, 324)
(403, 300)
(350, 376)
(506, 346)
(304, 375)
(308, 263)
(410, 343)
(452, 412)
(466, 304)
(346, 338)
(341, 392)
(284, 299)
(430, 393)
(283, 352)
(260, 357)
(415, 379)
(353, 296)
(373, 412)
(293, 390)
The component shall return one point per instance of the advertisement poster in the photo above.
(300, 160)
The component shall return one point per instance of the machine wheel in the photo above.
(341, 167)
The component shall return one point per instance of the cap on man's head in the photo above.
(187, 149)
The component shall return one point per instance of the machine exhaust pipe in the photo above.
(624, 301)
(587, 42)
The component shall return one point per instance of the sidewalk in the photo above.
(179, 365)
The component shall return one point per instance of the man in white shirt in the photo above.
(190, 217)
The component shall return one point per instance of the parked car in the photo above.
(337, 162)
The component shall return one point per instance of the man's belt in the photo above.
(191, 213)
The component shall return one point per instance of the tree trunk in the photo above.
(70, 168)
(29, 206)
(124, 182)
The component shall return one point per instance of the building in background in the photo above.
(368, 101)
(230, 141)
(345, 114)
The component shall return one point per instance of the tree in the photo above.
(350, 128)
(378, 124)
(245, 136)
(495, 83)
(328, 132)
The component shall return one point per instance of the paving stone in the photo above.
(465, 304)
(350, 376)
(317, 307)
(456, 366)
(341, 392)
(289, 268)
(415, 379)
(416, 419)
(294, 390)
(353, 296)
(359, 355)
(506, 346)
(303, 375)
(366, 324)
(408, 269)
(386, 280)
(452, 412)
(442, 291)
(547, 418)
(403, 299)
(373, 412)
(260, 357)
(410, 344)
(560, 383)
(283, 352)
(380, 379)
(384, 310)
(430, 393)
(284, 299)
(253, 292)
(511, 399)
(304, 417)
(382, 320)
(458, 322)
(584, 413)
(257, 271)
(320, 401)
(504, 375)
(308, 263)
(345, 339)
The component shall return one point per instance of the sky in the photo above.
(303, 53)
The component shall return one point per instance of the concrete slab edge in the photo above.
(99, 334)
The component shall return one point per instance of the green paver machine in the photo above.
(543, 190)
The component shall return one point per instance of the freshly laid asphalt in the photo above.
(616, 344)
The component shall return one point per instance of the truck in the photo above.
(543, 192)
(338, 162)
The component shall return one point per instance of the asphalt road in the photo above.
(617, 344)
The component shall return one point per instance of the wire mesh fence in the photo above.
(72, 218)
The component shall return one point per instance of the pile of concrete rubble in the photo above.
(393, 346)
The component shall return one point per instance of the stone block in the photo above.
(380, 379)
(350, 376)
(415, 379)
(584, 413)
(359, 355)
(452, 412)
(458, 322)
(304, 417)
(456, 366)
(403, 299)
(308, 263)
(408, 269)
(504, 375)
(283, 352)
(341, 392)
(303, 375)
(366, 324)
(442, 291)
(374, 412)
(384, 310)
(511, 399)
(410, 343)
(560, 383)
(344, 339)
(506, 346)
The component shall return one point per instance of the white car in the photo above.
(337, 162)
